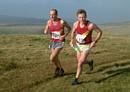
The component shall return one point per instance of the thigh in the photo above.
(78, 55)
(55, 52)
(52, 50)
(83, 56)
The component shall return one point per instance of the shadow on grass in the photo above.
(110, 74)
(66, 74)
(113, 73)
(102, 68)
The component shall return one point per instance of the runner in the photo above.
(81, 40)
(56, 26)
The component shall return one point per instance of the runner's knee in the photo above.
(81, 60)
(52, 58)
(80, 64)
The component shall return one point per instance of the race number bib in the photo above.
(56, 35)
(80, 38)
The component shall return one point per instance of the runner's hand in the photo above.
(93, 44)
(72, 42)
(44, 33)
(62, 37)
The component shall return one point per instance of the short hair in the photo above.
(55, 10)
(80, 11)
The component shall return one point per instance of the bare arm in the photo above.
(98, 36)
(73, 34)
(99, 33)
(46, 28)
(67, 26)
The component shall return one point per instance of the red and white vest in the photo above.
(83, 35)
(55, 30)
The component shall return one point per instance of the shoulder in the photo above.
(62, 21)
(48, 22)
(91, 25)
(75, 24)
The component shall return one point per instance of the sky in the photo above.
(98, 11)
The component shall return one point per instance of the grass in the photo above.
(21, 29)
(25, 66)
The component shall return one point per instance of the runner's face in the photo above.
(53, 15)
(81, 17)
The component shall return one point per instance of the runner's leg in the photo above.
(54, 56)
(81, 60)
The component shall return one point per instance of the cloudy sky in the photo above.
(99, 11)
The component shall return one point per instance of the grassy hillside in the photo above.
(25, 66)
(21, 29)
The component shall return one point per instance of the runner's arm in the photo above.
(66, 25)
(73, 34)
(68, 28)
(98, 36)
(99, 33)
(46, 28)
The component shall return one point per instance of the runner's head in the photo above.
(81, 15)
(53, 14)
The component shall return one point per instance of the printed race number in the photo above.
(80, 38)
(56, 35)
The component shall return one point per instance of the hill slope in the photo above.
(25, 66)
